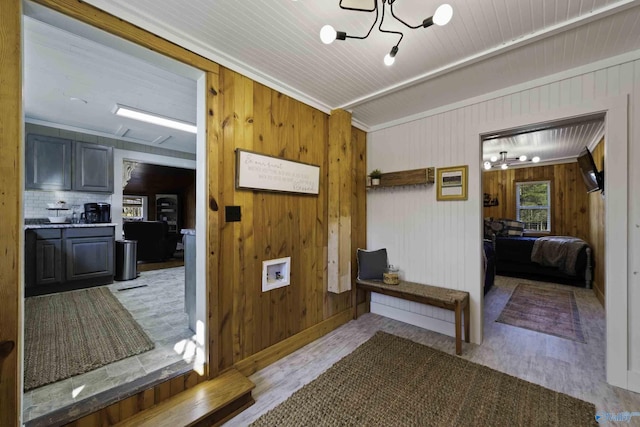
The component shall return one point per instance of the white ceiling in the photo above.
(488, 45)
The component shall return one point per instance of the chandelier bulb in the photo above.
(487, 165)
(328, 34)
(504, 166)
(443, 14)
(390, 57)
(536, 159)
(522, 158)
(494, 158)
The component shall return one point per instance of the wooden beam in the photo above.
(341, 186)
(11, 235)
(100, 19)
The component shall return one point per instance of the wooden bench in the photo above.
(449, 299)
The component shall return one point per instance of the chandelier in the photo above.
(328, 34)
(504, 162)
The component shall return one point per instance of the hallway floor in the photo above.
(563, 365)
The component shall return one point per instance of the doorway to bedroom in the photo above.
(543, 229)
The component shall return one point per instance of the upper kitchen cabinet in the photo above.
(61, 164)
(92, 168)
(48, 163)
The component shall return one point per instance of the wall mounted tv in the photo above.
(593, 179)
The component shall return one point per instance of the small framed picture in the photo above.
(452, 183)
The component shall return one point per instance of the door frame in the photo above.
(12, 166)
(616, 238)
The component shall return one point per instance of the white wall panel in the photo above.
(439, 243)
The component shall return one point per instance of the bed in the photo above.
(559, 258)
(563, 259)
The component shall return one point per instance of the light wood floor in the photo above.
(570, 367)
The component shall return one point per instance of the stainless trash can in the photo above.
(126, 252)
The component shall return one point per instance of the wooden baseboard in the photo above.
(363, 308)
(264, 358)
(599, 293)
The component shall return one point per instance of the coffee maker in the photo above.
(95, 213)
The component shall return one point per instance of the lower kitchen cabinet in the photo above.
(62, 259)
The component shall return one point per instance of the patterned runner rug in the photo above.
(391, 381)
(547, 310)
(70, 333)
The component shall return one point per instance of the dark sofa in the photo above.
(155, 243)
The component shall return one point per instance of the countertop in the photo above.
(67, 225)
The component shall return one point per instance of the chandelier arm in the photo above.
(389, 31)
(399, 19)
(370, 29)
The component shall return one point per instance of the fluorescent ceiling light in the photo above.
(155, 119)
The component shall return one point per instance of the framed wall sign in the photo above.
(452, 183)
(267, 173)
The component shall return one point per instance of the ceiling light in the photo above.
(328, 34)
(504, 162)
(390, 57)
(155, 119)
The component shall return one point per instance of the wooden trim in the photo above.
(100, 19)
(264, 358)
(12, 236)
(597, 289)
(364, 307)
(213, 168)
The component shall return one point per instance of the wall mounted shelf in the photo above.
(409, 177)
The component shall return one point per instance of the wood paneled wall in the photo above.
(597, 227)
(274, 225)
(11, 234)
(569, 197)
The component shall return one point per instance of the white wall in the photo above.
(439, 242)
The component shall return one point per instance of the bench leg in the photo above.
(458, 329)
(467, 323)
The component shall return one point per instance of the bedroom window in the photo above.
(533, 205)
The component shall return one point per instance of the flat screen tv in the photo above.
(593, 179)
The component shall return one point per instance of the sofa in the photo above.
(155, 243)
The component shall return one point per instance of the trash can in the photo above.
(126, 252)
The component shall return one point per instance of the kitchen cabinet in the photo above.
(48, 163)
(62, 164)
(92, 168)
(62, 259)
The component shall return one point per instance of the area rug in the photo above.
(70, 333)
(392, 381)
(547, 310)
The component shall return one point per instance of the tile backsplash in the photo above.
(35, 202)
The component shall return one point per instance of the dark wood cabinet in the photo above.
(61, 164)
(92, 168)
(61, 259)
(48, 163)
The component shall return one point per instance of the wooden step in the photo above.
(209, 403)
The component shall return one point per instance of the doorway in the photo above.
(615, 111)
(76, 395)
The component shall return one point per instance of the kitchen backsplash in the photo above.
(35, 202)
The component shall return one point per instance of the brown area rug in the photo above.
(70, 333)
(547, 310)
(391, 381)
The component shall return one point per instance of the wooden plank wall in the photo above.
(597, 227)
(569, 197)
(274, 225)
(11, 161)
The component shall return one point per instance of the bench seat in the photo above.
(449, 299)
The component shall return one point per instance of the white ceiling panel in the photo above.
(487, 46)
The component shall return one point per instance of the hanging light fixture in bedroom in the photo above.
(328, 34)
(504, 162)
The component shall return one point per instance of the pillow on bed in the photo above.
(512, 228)
(371, 264)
